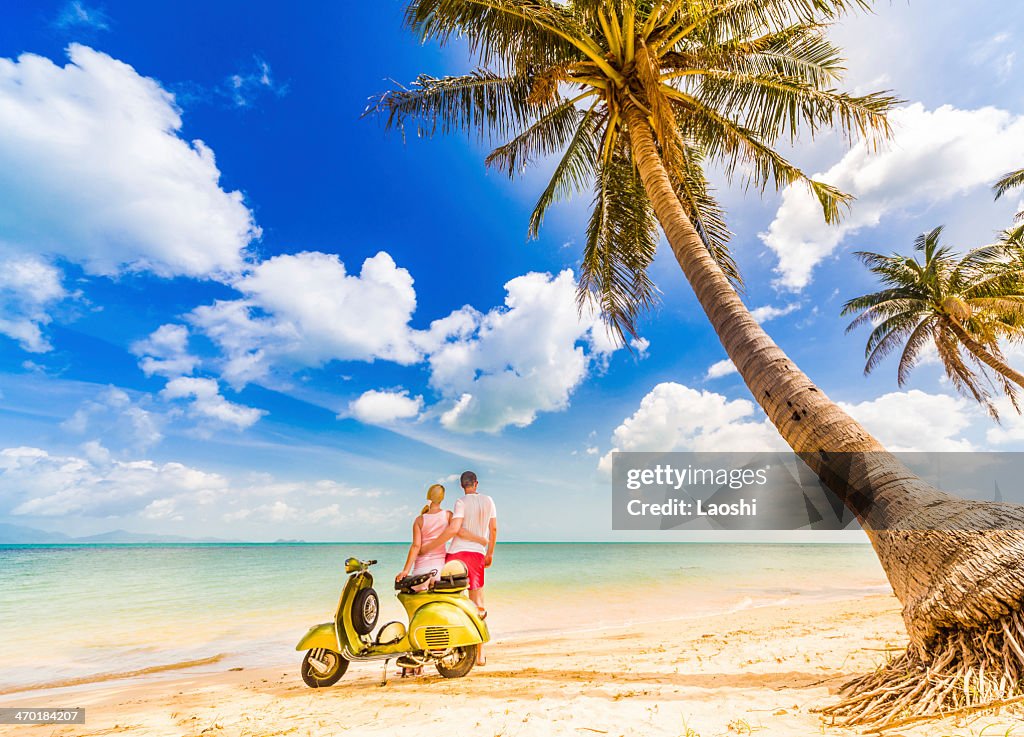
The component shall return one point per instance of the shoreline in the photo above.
(237, 658)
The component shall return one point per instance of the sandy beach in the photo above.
(762, 670)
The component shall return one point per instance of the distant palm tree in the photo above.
(632, 99)
(953, 303)
(1011, 181)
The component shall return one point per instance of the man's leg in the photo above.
(477, 597)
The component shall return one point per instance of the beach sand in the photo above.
(761, 670)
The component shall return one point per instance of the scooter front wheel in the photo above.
(322, 668)
(459, 663)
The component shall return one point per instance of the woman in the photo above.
(428, 526)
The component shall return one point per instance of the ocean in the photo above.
(88, 613)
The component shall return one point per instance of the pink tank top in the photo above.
(430, 529)
(433, 525)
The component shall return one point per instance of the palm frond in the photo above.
(550, 134)
(1007, 182)
(718, 21)
(886, 337)
(481, 103)
(775, 105)
(518, 33)
(575, 170)
(964, 380)
(621, 242)
(707, 216)
(738, 147)
(920, 337)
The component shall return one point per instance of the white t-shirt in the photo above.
(476, 512)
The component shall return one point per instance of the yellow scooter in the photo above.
(445, 628)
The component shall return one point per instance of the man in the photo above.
(474, 513)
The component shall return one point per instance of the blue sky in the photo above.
(231, 306)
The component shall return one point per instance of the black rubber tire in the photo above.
(463, 665)
(365, 610)
(311, 677)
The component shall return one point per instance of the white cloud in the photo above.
(641, 346)
(1011, 429)
(492, 370)
(29, 287)
(118, 419)
(673, 417)
(384, 407)
(165, 352)
(720, 368)
(770, 312)
(93, 169)
(916, 421)
(77, 15)
(996, 54)
(207, 402)
(305, 310)
(936, 155)
(245, 86)
(525, 358)
(162, 509)
(38, 483)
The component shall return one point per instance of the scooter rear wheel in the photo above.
(459, 663)
(313, 677)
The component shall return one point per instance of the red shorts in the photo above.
(475, 563)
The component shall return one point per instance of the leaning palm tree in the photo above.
(1011, 181)
(635, 98)
(955, 304)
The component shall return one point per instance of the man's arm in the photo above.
(453, 529)
(492, 529)
(467, 535)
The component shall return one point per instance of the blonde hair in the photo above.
(435, 494)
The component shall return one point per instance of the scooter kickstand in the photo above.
(385, 681)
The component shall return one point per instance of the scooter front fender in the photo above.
(319, 635)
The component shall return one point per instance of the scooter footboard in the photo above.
(438, 626)
(319, 635)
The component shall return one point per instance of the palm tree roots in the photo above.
(961, 670)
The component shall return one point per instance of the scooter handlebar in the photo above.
(354, 565)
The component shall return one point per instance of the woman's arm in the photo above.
(414, 549)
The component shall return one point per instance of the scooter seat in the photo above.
(406, 585)
(451, 585)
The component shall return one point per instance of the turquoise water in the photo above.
(78, 612)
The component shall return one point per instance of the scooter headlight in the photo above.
(352, 565)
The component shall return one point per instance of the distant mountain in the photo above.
(17, 535)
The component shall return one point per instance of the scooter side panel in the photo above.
(439, 625)
(413, 602)
(319, 635)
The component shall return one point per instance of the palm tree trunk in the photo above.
(946, 573)
(979, 351)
